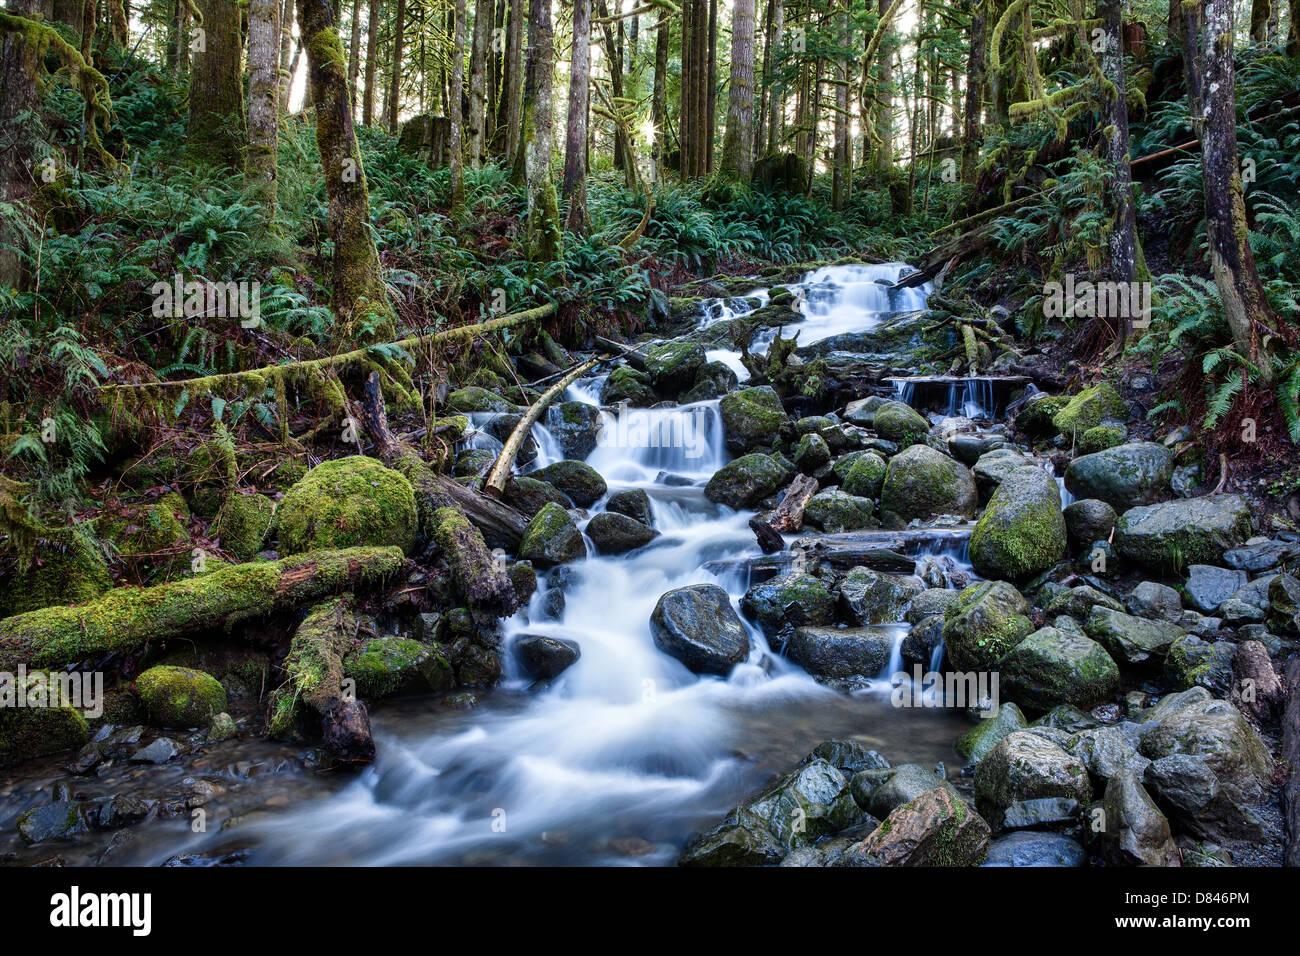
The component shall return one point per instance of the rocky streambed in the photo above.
(1106, 639)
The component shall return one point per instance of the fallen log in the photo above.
(769, 539)
(1291, 754)
(126, 618)
(315, 668)
(456, 517)
(634, 358)
(495, 485)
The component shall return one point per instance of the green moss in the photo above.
(866, 476)
(1088, 409)
(27, 732)
(1100, 438)
(73, 574)
(180, 696)
(476, 399)
(242, 524)
(392, 665)
(348, 502)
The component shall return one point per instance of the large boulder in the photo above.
(1088, 409)
(626, 385)
(544, 657)
(992, 466)
(833, 511)
(672, 367)
(746, 481)
(576, 426)
(987, 620)
(1135, 833)
(1052, 666)
(1156, 602)
(34, 731)
(1173, 535)
(613, 533)
(935, 829)
(865, 475)
(753, 418)
(874, 597)
(807, 804)
(346, 503)
(900, 423)
(1025, 766)
(697, 625)
(180, 696)
(634, 503)
(1190, 792)
(389, 665)
(1123, 476)
(840, 653)
(551, 538)
(880, 792)
(921, 482)
(794, 597)
(476, 399)
(1284, 605)
(1021, 532)
(576, 479)
(1132, 640)
(741, 839)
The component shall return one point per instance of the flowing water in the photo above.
(626, 753)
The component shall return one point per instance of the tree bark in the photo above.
(372, 62)
(215, 134)
(536, 134)
(659, 96)
(973, 115)
(1122, 241)
(478, 60)
(395, 75)
(737, 146)
(19, 61)
(512, 93)
(354, 57)
(263, 100)
(776, 97)
(287, 60)
(574, 189)
(455, 140)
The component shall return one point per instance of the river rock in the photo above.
(847, 756)
(389, 665)
(1051, 667)
(180, 696)
(578, 480)
(794, 597)
(979, 742)
(1136, 833)
(1261, 555)
(475, 399)
(27, 732)
(1208, 586)
(988, 619)
(995, 465)
(1284, 605)
(713, 380)
(1088, 409)
(626, 385)
(746, 481)
(879, 792)
(1155, 602)
(672, 366)
(1021, 532)
(753, 417)
(741, 839)
(865, 476)
(530, 495)
(897, 422)
(811, 454)
(1026, 848)
(1109, 750)
(841, 652)
(1025, 766)
(811, 802)
(575, 426)
(1129, 639)
(921, 642)
(634, 503)
(1088, 520)
(544, 657)
(863, 411)
(1123, 476)
(1079, 601)
(921, 482)
(1175, 534)
(345, 503)
(833, 511)
(551, 538)
(1189, 791)
(613, 533)
(1192, 661)
(929, 602)
(935, 829)
(698, 626)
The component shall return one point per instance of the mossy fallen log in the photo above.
(127, 618)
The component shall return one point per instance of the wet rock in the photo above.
(34, 731)
(576, 426)
(847, 756)
(841, 652)
(863, 411)
(865, 476)
(1025, 848)
(879, 792)
(935, 829)
(1192, 661)
(1068, 718)
(1102, 437)
(897, 422)
(346, 503)
(1051, 667)
(390, 665)
(1136, 833)
(551, 538)
(988, 620)
(921, 482)
(1131, 640)
(576, 479)
(794, 597)
(221, 728)
(921, 642)
(995, 465)
(614, 533)
(746, 481)
(1107, 751)
(1261, 555)
(1079, 601)
(1207, 586)
(697, 625)
(811, 802)
(968, 449)
(833, 511)
(1188, 789)
(1021, 532)
(475, 399)
(1088, 520)
(874, 597)
(180, 696)
(1175, 534)
(672, 367)
(1041, 814)
(627, 385)
(979, 742)
(530, 495)
(52, 821)
(1026, 766)
(713, 380)
(159, 751)
(544, 657)
(741, 839)
(634, 503)
(1155, 602)
(929, 602)
(1123, 476)
(1284, 605)
(753, 417)
(811, 453)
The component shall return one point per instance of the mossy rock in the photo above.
(1101, 438)
(900, 423)
(747, 480)
(1088, 409)
(979, 742)
(672, 367)
(155, 528)
(1051, 667)
(626, 384)
(476, 399)
(551, 538)
(986, 621)
(392, 665)
(180, 696)
(754, 417)
(348, 502)
(1036, 417)
(36, 730)
(243, 523)
(472, 461)
(865, 476)
(1021, 532)
(530, 495)
(73, 574)
(208, 473)
(576, 479)
(769, 601)
(833, 511)
(921, 482)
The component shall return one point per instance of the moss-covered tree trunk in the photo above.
(737, 145)
(1122, 241)
(476, 125)
(372, 62)
(263, 99)
(973, 114)
(512, 89)
(543, 204)
(354, 57)
(215, 134)
(456, 127)
(18, 102)
(117, 22)
(574, 189)
(659, 100)
(359, 296)
(395, 72)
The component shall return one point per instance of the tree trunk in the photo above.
(478, 59)
(354, 58)
(843, 166)
(710, 78)
(1259, 16)
(120, 32)
(19, 61)
(972, 120)
(543, 205)
(574, 190)
(395, 76)
(215, 135)
(513, 93)
(776, 98)
(263, 99)
(737, 146)
(1293, 30)
(288, 61)
(884, 109)
(455, 139)
(372, 62)
(1233, 264)
(1123, 248)
(659, 102)
(359, 296)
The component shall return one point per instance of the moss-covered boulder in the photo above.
(46, 722)
(978, 743)
(794, 596)
(529, 495)
(672, 367)
(747, 481)
(834, 511)
(475, 399)
(614, 533)
(1024, 766)
(1132, 640)
(156, 532)
(1021, 532)
(634, 503)
(471, 462)
(180, 696)
(1051, 667)
(1174, 535)
(1035, 416)
(986, 621)
(345, 503)
(71, 572)
(713, 380)
(391, 665)
(576, 479)
(626, 384)
(1123, 476)
(551, 538)
(937, 828)
(1100, 438)
(1088, 520)
(994, 465)
(865, 476)
(754, 417)
(1088, 409)
(576, 426)
(811, 454)
(243, 523)
(921, 482)
(900, 423)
